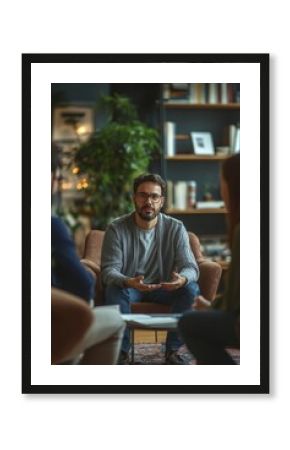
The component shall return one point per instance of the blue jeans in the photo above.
(180, 300)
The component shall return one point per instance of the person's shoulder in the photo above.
(55, 221)
(171, 222)
(121, 221)
(57, 225)
(60, 232)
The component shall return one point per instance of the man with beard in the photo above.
(146, 256)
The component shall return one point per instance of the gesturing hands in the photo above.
(138, 283)
(177, 282)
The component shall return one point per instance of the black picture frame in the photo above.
(259, 59)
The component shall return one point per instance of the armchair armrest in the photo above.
(209, 278)
(95, 268)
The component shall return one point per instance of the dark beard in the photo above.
(147, 216)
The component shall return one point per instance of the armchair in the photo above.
(210, 272)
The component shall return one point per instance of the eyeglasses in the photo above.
(142, 196)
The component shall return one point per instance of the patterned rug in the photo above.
(154, 354)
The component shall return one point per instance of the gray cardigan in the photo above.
(120, 251)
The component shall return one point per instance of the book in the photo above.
(166, 91)
(210, 204)
(213, 93)
(236, 148)
(201, 93)
(169, 196)
(180, 86)
(232, 136)
(224, 93)
(191, 194)
(230, 91)
(237, 92)
(169, 138)
(192, 96)
(176, 92)
(180, 195)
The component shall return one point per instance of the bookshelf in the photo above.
(196, 211)
(208, 106)
(196, 158)
(198, 108)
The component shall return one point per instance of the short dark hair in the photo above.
(151, 177)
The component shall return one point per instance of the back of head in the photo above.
(231, 176)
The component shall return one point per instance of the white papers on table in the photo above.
(147, 320)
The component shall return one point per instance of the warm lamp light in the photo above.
(66, 185)
(82, 184)
(81, 129)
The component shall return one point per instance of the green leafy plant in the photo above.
(112, 157)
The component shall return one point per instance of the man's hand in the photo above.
(177, 282)
(138, 283)
(201, 303)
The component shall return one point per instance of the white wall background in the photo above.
(206, 421)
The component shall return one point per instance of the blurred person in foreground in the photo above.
(213, 326)
(77, 330)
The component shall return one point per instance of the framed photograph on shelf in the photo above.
(202, 143)
(39, 71)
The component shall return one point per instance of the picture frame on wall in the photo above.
(72, 123)
(39, 71)
(202, 143)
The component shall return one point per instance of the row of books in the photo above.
(182, 195)
(202, 93)
(216, 248)
(231, 140)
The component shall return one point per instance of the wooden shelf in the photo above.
(186, 105)
(182, 137)
(197, 211)
(186, 157)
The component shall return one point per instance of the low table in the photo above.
(157, 322)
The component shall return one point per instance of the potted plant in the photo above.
(112, 157)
